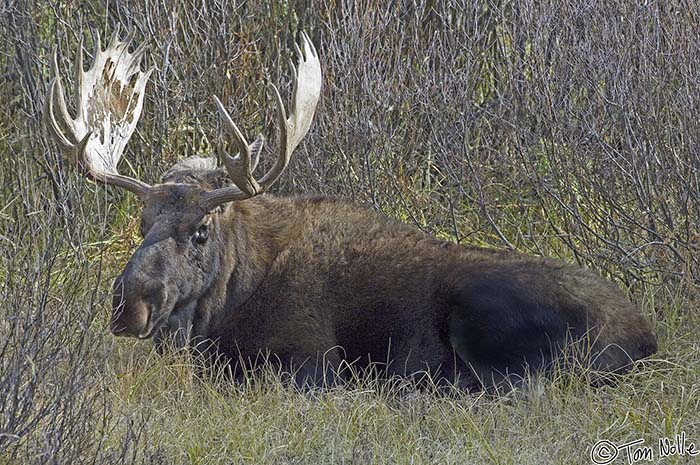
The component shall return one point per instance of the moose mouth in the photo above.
(153, 325)
(150, 328)
(141, 317)
(154, 321)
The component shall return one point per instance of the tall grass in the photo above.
(556, 127)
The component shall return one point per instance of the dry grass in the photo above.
(555, 128)
(195, 421)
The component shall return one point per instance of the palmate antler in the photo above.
(307, 90)
(109, 102)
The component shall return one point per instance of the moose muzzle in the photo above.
(137, 311)
(144, 294)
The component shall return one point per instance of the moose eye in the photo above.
(201, 234)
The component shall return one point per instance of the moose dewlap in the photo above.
(315, 282)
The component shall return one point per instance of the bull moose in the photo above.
(309, 278)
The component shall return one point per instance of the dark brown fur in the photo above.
(304, 279)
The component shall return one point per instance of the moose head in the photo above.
(182, 248)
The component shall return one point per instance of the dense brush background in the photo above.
(557, 127)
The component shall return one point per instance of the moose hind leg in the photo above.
(503, 330)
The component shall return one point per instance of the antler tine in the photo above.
(239, 167)
(284, 153)
(64, 124)
(98, 40)
(108, 108)
(238, 137)
(78, 70)
(292, 129)
(115, 35)
(130, 38)
(140, 52)
(51, 122)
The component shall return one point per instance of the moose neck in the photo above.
(254, 232)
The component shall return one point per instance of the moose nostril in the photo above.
(129, 317)
(136, 304)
